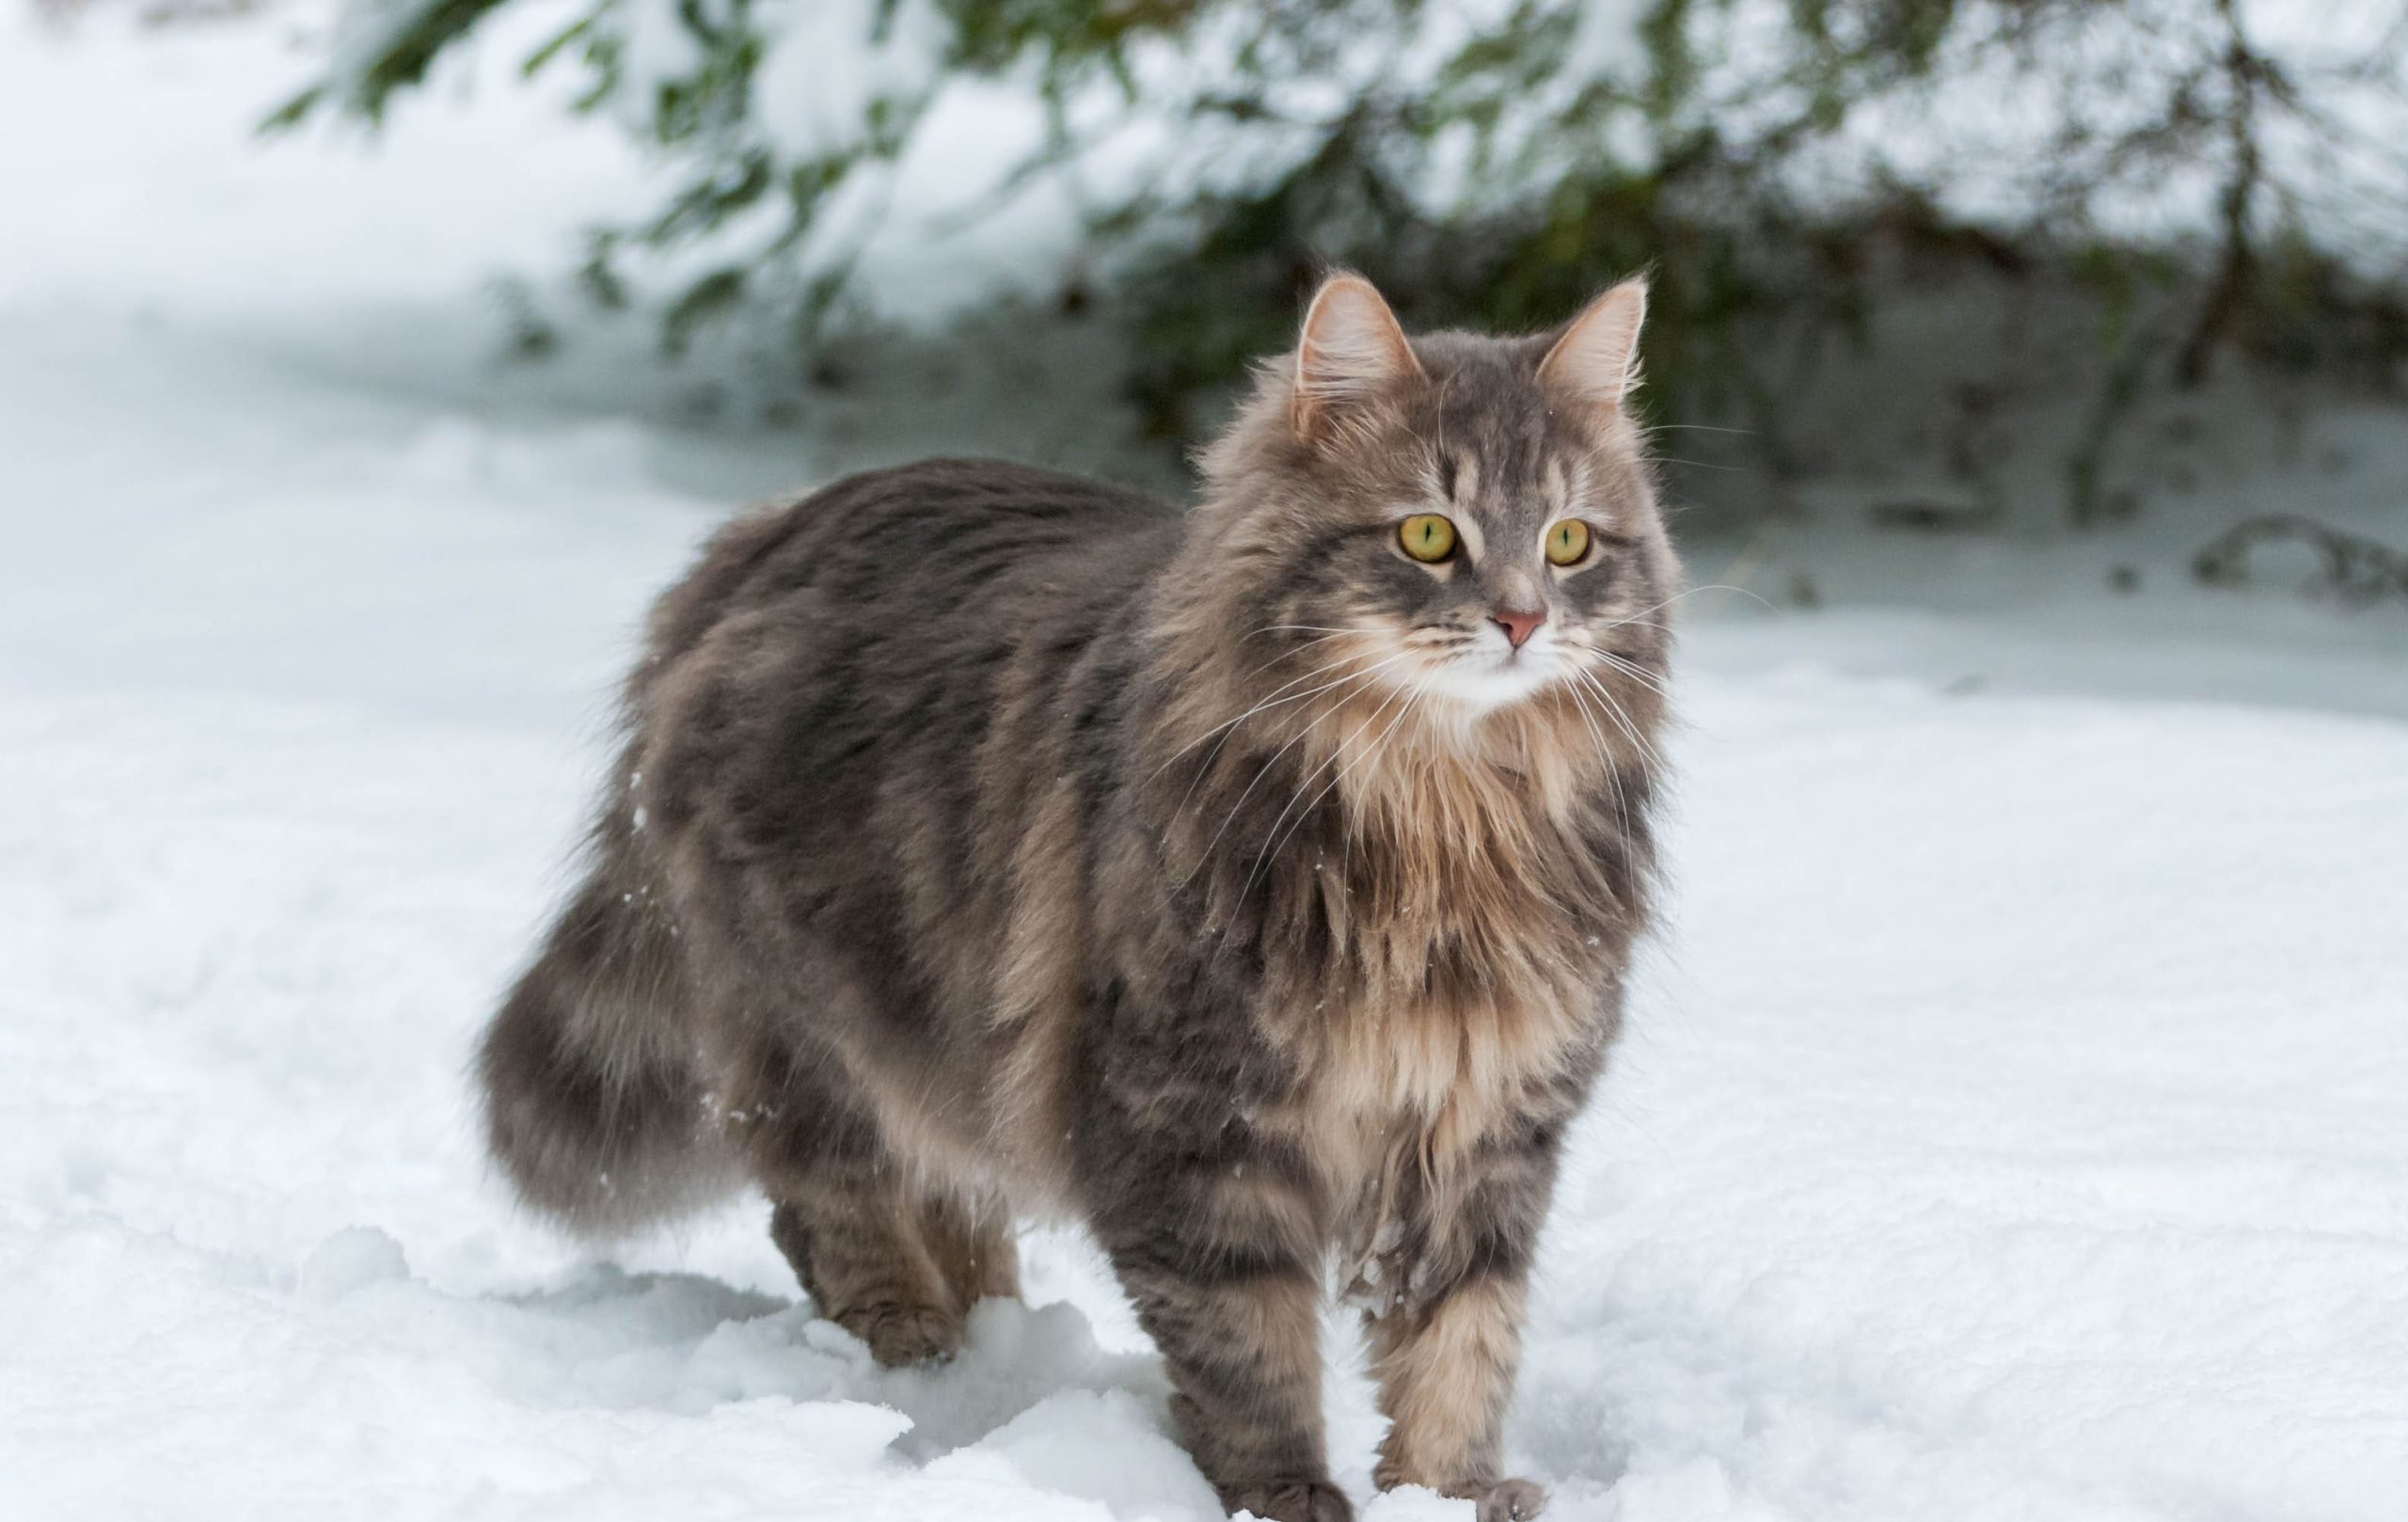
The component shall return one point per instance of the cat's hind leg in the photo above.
(897, 1266)
(856, 1220)
(855, 1243)
(972, 1238)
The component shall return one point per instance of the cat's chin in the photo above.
(1484, 683)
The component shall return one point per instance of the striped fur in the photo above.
(989, 842)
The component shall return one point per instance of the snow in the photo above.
(2011, 1124)
(830, 60)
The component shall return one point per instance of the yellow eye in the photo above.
(1567, 542)
(1429, 537)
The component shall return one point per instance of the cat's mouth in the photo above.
(1486, 672)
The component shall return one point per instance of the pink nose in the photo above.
(1517, 627)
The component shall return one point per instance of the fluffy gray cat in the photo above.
(1253, 882)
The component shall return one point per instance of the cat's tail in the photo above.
(592, 1102)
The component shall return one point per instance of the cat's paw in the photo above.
(1289, 1501)
(1507, 1500)
(901, 1335)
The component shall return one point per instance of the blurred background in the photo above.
(1965, 304)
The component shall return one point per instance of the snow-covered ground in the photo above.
(2014, 1122)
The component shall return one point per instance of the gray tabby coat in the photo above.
(990, 841)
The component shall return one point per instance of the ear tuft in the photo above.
(1597, 358)
(1351, 350)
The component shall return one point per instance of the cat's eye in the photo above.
(1567, 542)
(1428, 537)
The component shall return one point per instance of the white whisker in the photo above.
(1681, 597)
(1302, 628)
(1632, 670)
(1379, 745)
(1336, 753)
(1621, 719)
(1272, 700)
(1300, 649)
(1605, 752)
(1204, 767)
(1272, 761)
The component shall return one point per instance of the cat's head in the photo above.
(1464, 519)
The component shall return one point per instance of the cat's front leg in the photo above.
(1215, 1241)
(1445, 1347)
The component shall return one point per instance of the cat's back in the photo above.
(925, 551)
(817, 686)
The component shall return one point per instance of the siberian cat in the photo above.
(1253, 882)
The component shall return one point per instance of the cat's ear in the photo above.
(1597, 358)
(1352, 350)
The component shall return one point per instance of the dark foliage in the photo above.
(1778, 167)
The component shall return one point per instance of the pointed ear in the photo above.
(1597, 358)
(1352, 349)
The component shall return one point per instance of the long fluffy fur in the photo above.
(989, 841)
